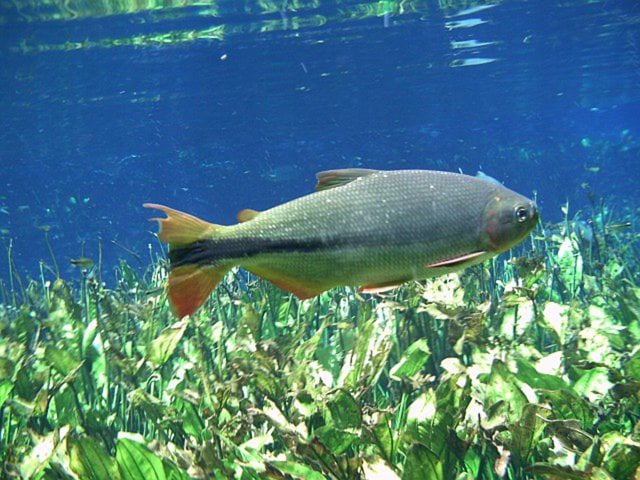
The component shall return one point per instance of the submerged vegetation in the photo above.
(524, 367)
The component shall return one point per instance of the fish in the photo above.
(361, 227)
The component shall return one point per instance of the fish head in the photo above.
(508, 218)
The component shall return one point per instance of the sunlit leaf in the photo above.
(5, 391)
(593, 384)
(296, 470)
(412, 360)
(165, 344)
(375, 468)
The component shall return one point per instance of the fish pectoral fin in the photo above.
(458, 261)
(190, 285)
(301, 288)
(337, 178)
(179, 228)
(247, 214)
(382, 287)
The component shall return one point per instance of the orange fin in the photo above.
(190, 285)
(180, 228)
(457, 261)
(247, 214)
(300, 288)
(336, 178)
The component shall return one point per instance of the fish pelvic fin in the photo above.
(459, 262)
(191, 281)
(179, 229)
(191, 285)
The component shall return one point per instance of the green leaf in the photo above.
(594, 384)
(163, 347)
(338, 441)
(567, 404)
(529, 375)
(622, 459)
(344, 410)
(632, 367)
(365, 363)
(570, 263)
(89, 460)
(137, 462)
(63, 361)
(5, 390)
(296, 470)
(523, 435)
(412, 360)
(502, 387)
(558, 472)
(422, 464)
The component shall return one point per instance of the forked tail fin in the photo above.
(190, 282)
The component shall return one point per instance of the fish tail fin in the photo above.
(190, 279)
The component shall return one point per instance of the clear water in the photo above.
(211, 107)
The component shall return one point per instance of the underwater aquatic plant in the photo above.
(506, 371)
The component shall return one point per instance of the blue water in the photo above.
(214, 108)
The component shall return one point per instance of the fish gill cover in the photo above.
(524, 366)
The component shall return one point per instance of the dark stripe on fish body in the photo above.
(208, 252)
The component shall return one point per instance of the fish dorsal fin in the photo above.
(180, 228)
(337, 178)
(247, 214)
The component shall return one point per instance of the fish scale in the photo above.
(363, 227)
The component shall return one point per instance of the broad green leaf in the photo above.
(137, 462)
(384, 434)
(529, 375)
(622, 459)
(502, 387)
(556, 316)
(593, 384)
(632, 367)
(43, 450)
(571, 263)
(63, 361)
(567, 404)
(523, 434)
(559, 472)
(412, 360)
(344, 410)
(89, 460)
(422, 464)
(165, 344)
(296, 470)
(338, 441)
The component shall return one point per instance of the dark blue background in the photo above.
(89, 131)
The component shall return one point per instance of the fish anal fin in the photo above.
(300, 288)
(179, 228)
(191, 285)
(382, 287)
(458, 261)
(247, 214)
(337, 178)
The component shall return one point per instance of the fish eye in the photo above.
(522, 214)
